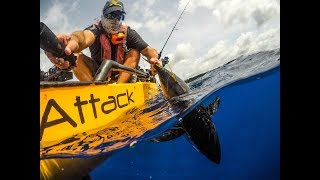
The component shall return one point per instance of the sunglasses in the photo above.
(115, 16)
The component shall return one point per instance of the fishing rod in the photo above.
(166, 59)
(159, 55)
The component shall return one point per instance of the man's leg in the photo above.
(85, 69)
(131, 60)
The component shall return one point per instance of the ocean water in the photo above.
(247, 122)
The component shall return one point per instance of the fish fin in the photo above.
(213, 107)
(201, 130)
(170, 134)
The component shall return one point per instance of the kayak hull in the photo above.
(70, 108)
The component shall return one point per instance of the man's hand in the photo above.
(70, 47)
(59, 62)
(152, 62)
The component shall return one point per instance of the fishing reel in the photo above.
(165, 61)
(56, 74)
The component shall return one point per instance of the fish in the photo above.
(178, 130)
(197, 125)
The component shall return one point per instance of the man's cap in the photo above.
(113, 5)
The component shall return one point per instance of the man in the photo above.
(109, 38)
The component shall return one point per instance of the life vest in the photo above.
(121, 47)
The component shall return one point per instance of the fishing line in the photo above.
(159, 55)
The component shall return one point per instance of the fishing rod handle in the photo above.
(50, 43)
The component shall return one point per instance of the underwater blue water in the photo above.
(248, 125)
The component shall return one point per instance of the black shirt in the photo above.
(134, 41)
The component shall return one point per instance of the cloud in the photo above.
(194, 4)
(149, 16)
(184, 62)
(157, 25)
(143, 8)
(182, 52)
(136, 25)
(56, 16)
(231, 12)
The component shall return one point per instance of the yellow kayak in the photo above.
(70, 108)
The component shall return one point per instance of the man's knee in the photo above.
(85, 61)
(85, 68)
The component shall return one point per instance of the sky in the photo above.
(209, 34)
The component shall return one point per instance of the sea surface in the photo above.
(247, 122)
(248, 125)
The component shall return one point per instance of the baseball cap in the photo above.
(111, 6)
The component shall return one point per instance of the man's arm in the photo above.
(149, 52)
(135, 41)
(80, 40)
(152, 56)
